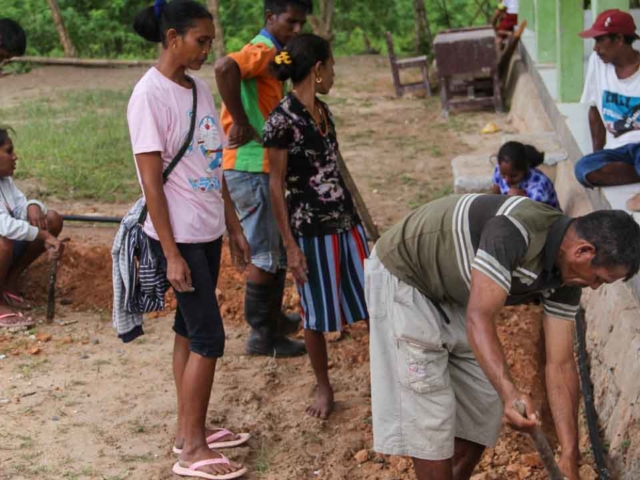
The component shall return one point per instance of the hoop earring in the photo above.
(318, 80)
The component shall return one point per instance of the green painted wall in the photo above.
(601, 5)
(570, 50)
(527, 12)
(546, 30)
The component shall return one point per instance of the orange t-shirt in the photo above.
(260, 94)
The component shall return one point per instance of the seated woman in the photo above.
(516, 174)
(27, 230)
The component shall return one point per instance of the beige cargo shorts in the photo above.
(427, 388)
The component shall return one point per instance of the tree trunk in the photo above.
(447, 17)
(424, 39)
(218, 43)
(63, 33)
(322, 24)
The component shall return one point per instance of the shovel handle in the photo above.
(51, 291)
(542, 445)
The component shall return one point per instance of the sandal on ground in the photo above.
(16, 301)
(192, 470)
(13, 319)
(214, 444)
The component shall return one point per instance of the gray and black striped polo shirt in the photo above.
(512, 240)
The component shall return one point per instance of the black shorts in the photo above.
(198, 314)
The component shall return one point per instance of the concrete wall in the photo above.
(613, 311)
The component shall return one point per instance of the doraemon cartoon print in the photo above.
(208, 140)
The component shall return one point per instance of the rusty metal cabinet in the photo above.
(467, 64)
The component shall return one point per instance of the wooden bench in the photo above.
(403, 63)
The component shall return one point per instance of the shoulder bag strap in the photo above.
(192, 128)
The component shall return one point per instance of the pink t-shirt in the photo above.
(159, 117)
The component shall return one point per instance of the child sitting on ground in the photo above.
(516, 174)
(27, 230)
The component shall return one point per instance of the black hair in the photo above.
(521, 157)
(13, 38)
(152, 23)
(4, 134)
(280, 6)
(628, 39)
(304, 51)
(616, 237)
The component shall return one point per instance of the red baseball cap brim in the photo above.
(593, 33)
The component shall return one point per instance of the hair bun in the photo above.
(147, 25)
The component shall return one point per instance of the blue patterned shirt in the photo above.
(536, 184)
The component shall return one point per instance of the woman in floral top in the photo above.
(326, 244)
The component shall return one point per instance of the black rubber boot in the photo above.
(259, 305)
(288, 323)
(285, 347)
(257, 299)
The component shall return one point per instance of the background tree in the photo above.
(104, 28)
(322, 22)
(219, 49)
(63, 33)
(424, 39)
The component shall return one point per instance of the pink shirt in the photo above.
(159, 116)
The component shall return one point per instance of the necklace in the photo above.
(323, 122)
(323, 117)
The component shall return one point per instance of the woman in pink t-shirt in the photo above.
(188, 215)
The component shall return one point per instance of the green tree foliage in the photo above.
(102, 29)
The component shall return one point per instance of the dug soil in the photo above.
(76, 403)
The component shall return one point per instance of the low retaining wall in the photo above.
(613, 311)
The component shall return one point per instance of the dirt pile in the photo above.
(84, 283)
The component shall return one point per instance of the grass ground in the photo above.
(77, 145)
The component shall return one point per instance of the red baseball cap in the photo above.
(612, 21)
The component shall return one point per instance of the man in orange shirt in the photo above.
(250, 93)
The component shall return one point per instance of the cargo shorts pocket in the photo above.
(423, 368)
(375, 288)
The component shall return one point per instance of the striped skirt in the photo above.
(334, 293)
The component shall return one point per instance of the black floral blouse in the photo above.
(317, 197)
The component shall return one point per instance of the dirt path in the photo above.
(76, 403)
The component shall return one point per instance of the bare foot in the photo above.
(189, 458)
(322, 405)
(633, 203)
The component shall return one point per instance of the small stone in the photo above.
(83, 356)
(34, 351)
(95, 341)
(362, 456)
(55, 418)
(531, 460)
(588, 473)
(44, 337)
(481, 476)
(67, 339)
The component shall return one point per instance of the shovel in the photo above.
(542, 445)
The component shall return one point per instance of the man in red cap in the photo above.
(612, 89)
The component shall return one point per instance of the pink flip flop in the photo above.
(9, 320)
(215, 445)
(16, 301)
(192, 470)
